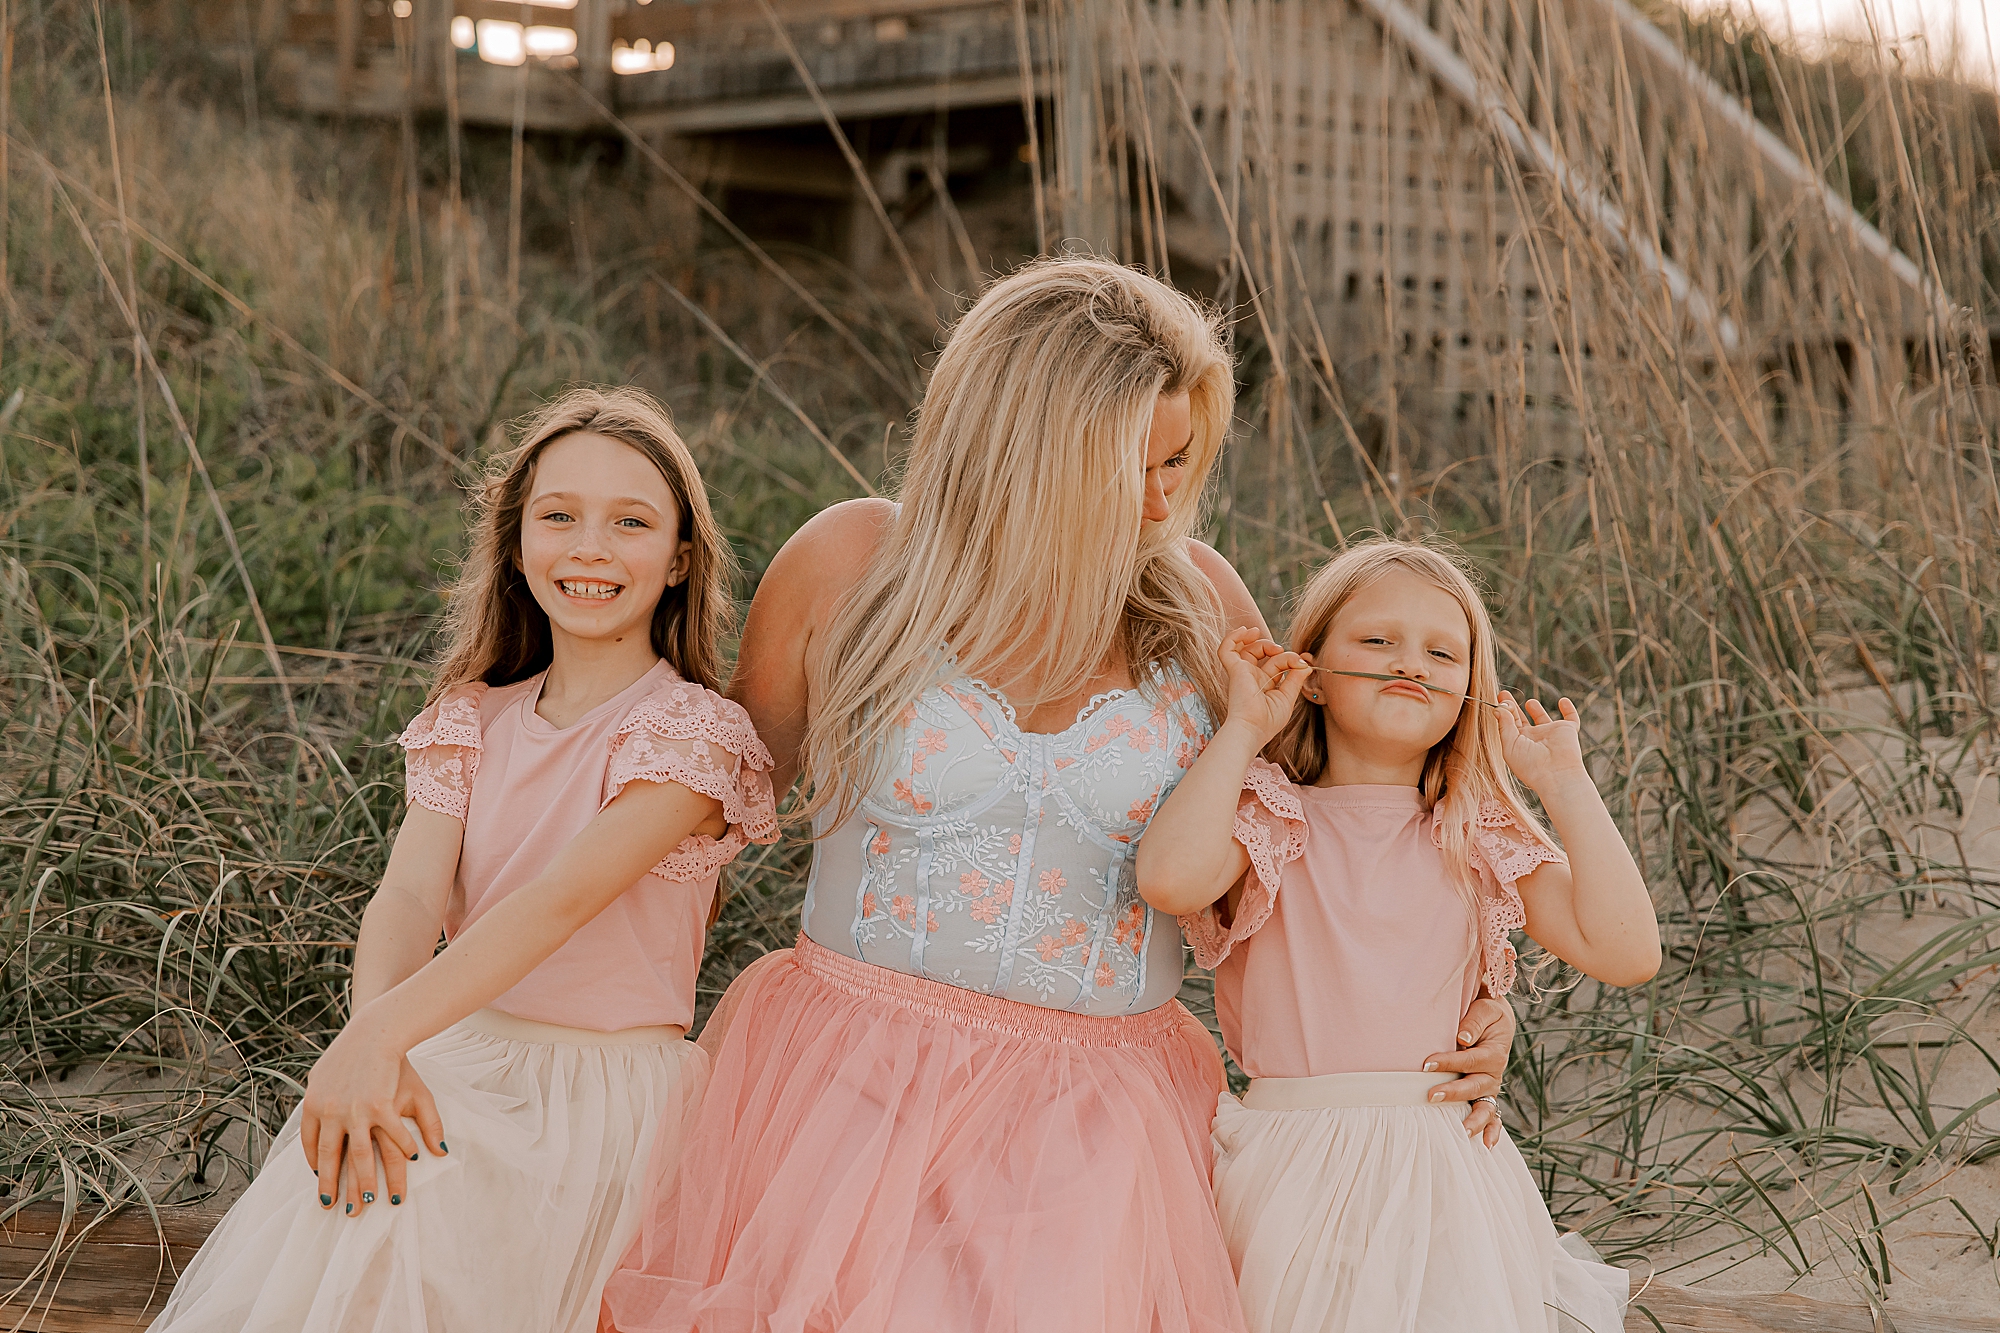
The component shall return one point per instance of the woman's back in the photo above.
(999, 860)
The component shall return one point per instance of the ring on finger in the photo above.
(1490, 1099)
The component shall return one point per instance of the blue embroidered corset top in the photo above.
(1000, 860)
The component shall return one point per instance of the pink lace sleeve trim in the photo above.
(686, 734)
(1271, 825)
(1508, 853)
(441, 753)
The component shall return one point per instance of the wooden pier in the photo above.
(113, 1275)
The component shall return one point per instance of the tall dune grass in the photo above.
(1778, 610)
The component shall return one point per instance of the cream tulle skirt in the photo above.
(1389, 1219)
(880, 1153)
(555, 1137)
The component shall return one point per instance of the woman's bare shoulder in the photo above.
(1239, 608)
(833, 547)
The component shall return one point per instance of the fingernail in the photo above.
(1465, 1036)
(326, 1201)
(1437, 1096)
(350, 1208)
(367, 1196)
(442, 1147)
(413, 1157)
(1430, 1066)
(395, 1198)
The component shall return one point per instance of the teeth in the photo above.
(596, 592)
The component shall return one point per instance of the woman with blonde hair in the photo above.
(968, 1099)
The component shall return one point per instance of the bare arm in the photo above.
(1239, 608)
(399, 931)
(357, 1093)
(1189, 856)
(1594, 913)
(806, 580)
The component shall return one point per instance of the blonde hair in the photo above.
(496, 632)
(1463, 771)
(1019, 544)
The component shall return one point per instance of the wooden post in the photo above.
(346, 46)
(593, 46)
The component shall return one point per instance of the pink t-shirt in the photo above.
(1351, 951)
(526, 788)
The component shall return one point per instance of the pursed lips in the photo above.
(1408, 689)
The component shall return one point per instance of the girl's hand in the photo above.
(1543, 751)
(356, 1098)
(1264, 682)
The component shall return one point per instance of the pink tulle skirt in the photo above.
(881, 1152)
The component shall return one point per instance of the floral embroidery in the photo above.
(1271, 825)
(693, 736)
(441, 749)
(941, 856)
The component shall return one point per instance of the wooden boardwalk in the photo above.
(118, 1275)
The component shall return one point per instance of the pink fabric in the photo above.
(879, 1152)
(526, 789)
(1351, 950)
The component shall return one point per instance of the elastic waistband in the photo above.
(990, 1013)
(493, 1023)
(1337, 1090)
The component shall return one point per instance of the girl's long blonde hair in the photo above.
(1019, 546)
(494, 629)
(1463, 771)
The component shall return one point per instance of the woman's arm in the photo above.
(806, 580)
(1594, 913)
(352, 1094)
(1239, 608)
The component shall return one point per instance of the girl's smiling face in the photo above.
(600, 538)
(1405, 626)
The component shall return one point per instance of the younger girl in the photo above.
(1353, 893)
(575, 786)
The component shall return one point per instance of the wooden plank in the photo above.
(96, 1275)
(798, 109)
(1686, 1310)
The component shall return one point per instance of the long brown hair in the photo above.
(496, 632)
(1465, 769)
(1020, 541)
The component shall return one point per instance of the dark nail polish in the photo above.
(350, 1208)
(326, 1201)
(367, 1196)
(413, 1157)
(395, 1198)
(441, 1147)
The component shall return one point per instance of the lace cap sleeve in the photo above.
(1504, 853)
(1271, 825)
(441, 752)
(690, 735)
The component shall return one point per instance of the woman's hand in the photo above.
(1544, 752)
(356, 1098)
(1264, 682)
(1485, 1035)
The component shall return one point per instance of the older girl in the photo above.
(967, 1099)
(575, 786)
(1354, 891)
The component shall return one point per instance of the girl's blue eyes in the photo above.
(560, 517)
